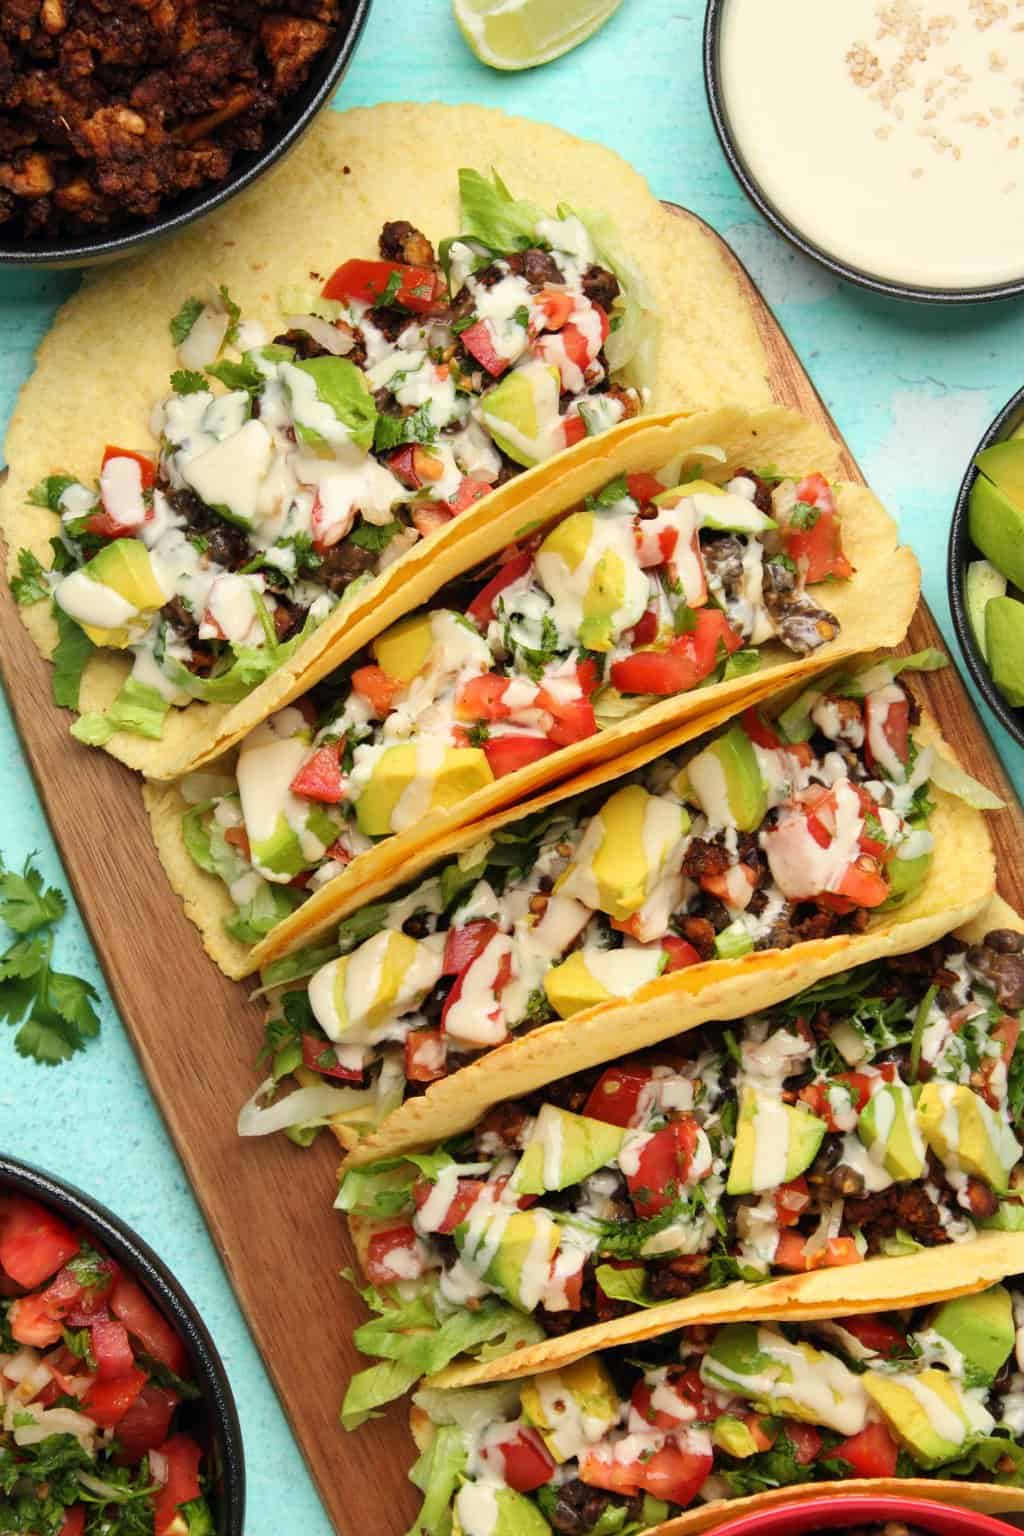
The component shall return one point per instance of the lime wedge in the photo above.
(518, 34)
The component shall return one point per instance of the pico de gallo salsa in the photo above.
(877, 1112)
(624, 1441)
(769, 833)
(95, 1392)
(292, 469)
(648, 592)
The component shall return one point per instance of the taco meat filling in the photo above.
(627, 601)
(749, 841)
(876, 1113)
(292, 469)
(628, 1439)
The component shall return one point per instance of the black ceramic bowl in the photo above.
(742, 172)
(296, 116)
(216, 1420)
(961, 552)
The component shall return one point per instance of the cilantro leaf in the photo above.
(185, 319)
(73, 999)
(72, 651)
(29, 586)
(234, 314)
(53, 1011)
(186, 381)
(24, 904)
(49, 491)
(392, 431)
(238, 375)
(374, 536)
(46, 1037)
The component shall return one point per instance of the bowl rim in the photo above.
(306, 103)
(838, 1511)
(136, 1255)
(957, 558)
(860, 277)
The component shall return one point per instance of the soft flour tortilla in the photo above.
(108, 356)
(874, 608)
(988, 1497)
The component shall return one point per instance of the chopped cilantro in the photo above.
(458, 326)
(615, 491)
(522, 316)
(79, 1342)
(49, 491)
(54, 1010)
(390, 293)
(391, 431)
(684, 620)
(185, 319)
(478, 734)
(238, 375)
(234, 314)
(186, 381)
(803, 516)
(784, 562)
(29, 586)
(374, 536)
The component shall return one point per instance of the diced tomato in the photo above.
(429, 516)
(587, 676)
(573, 721)
(892, 718)
(74, 1521)
(872, 1453)
(112, 1349)
(616, 1094)
(469, 492)
(644, 488)
(238, 837)
(418, 290)
(689, 659)
(378, 688)
(502, 976)
(146, 1423)
(672, 1473)
(863, 883)
(481, 609)
(577, 346)
(572, 1288)
(147, 468)
(425, 1056)
(523, 1461)
(480, 698)
(692, 1390)
(507, 754)
(680, 953)
(462, 945)
(380, 1268)
(63, 1294)
(837, 1251)
(108, 1401)
(876, 1334)
(103, 526)
(662, 1418)
(646, 632)
(557, 305)
(758, 729)
(320, 778)
(663, 1167)
(182, 1457)
(805, 1439)
(858, 1084)
(130, 1303)
(467, 1193)
(791, 1200)
(33, 1242)
(478, 340)
(722, 885)
(31, 1322)
(1006, 1034)
(574, 430)
(818, 550)
(319, 1056)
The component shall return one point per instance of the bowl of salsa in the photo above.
(113, 1399)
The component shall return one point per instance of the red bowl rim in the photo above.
(838, 1510)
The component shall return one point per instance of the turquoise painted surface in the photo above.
(912, 388)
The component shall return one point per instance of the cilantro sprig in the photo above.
(54, 1011)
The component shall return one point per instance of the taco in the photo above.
(859, 1139)
(322, 420)
(651, 600)
(693, 883)
(708, 1423)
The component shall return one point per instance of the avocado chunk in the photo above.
(888, 1128)
(404, 649)
(983, 583)
(579, 561)
(453, 774)
(779, 1376)
(981, 1328)
(1003, 464)
(1008, 1218)
(123, 566)
(553, 1403)
(592, 976)
(521, 413)
(487, 1509)
(564, 1149)
(624, 851)
(965, 1134)
(905, 876)
(734, 1436)
(523, 1243)
(932, 1419)
(1004, 642)
(774, 1143)
(726, 780)
(996, 525)
(362, 992)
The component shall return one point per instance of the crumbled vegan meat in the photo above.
(108, 108)
(799, 621)
(401, 241)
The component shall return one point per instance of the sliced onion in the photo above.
(828, 1226)
(55, 1421)
(22, 1364)
(159, 1470)
(298, 1108)
(205, 339)
(333, 339)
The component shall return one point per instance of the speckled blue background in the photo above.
(912, 389)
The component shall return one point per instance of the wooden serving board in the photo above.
(268, 1205)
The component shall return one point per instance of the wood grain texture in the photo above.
(266, 1203)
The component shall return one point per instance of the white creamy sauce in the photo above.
(622, 971)
(90, 602)
(914, 167)
(476, 1018)
(121, 491)
(476, 1505)
(771, 1144)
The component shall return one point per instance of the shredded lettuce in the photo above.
(625, 1285)
(469, 1407)
(437, 1475)
(252, 665)
(611, 707)
(138, 708)
(795, 723)
(254, 919)
(632, 346)
(490, 213)
(293, 967)
(70, 656)
(946, 775)
(306, 1106)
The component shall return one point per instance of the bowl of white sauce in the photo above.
(884, 138)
